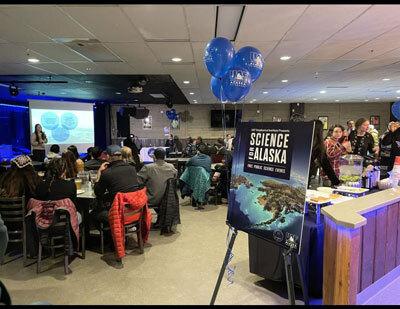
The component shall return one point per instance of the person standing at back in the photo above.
(392, 138)
(228, 142)
(38, 142)
(351, 126)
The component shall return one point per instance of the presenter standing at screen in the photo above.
(38, 141)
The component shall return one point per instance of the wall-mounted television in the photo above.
(230, 118)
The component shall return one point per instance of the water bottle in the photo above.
(396, 172)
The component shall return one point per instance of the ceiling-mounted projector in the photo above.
(134, 89)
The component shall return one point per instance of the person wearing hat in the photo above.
(113, 176)
(21, 179)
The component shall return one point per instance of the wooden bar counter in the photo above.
(361, 244)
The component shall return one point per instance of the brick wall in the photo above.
(200, 124)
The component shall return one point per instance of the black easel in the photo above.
(287, 256)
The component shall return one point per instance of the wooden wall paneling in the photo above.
(368, 249)
(360, 259)
(329, 262)
(391, 237)
(380, 243)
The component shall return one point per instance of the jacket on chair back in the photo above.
(136, 201)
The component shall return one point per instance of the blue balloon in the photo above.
(173, 111)
(218, 56)
(176, 117)
(167, 113)
(216, 88)
(251, 59)
(396, 110)
(236, 83)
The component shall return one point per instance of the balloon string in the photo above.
(231, 270)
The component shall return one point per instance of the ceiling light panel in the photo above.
(228, 22)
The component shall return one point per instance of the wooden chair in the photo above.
(12, 211)
(57, 233)
(137, 224)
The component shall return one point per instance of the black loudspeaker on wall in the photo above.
(296, 108)
(135, 112)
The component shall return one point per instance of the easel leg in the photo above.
(289, 276)
(304, 287)
(221, 273)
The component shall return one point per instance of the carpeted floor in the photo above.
(178, 269)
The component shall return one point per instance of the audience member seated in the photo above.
(154, 176)
(201, 159)
(190, 149)
(54, 153)
(95, 162)
(21, 179)
(170, 143)
(3, 239)
(79, 163)
(199, 142)
(127, 157)
(88, 155)
(218, 148)
(56, 187)
(70, 171)
(113, 176)
(134, 144)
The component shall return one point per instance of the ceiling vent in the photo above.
(91, 49)
(157, 95)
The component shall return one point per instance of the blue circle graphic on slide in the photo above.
(49, 121)
(151, 151)
(60, 134)
(69, 121)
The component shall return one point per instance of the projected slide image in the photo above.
(65, 126)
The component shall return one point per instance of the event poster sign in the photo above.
(269, 180)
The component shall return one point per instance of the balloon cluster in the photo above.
(232, 73)
(172, 115)
(396, 110)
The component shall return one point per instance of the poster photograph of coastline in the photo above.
(269, 180)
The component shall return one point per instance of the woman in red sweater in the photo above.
(336, 146)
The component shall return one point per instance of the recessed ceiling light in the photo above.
(186, 82)
(176, 59)
(376, 98)
(33, 60)
(398, 91)
(322, 91)
(366, 100)
(397, 97)
(386, 79)
(279, 101)
(191, 93)
(315, 99)
(63, 93)
(265, 92)
(284, 80)
(337, 100)
(118, 93)
(285, 58)
(88, 81)
(88, 69)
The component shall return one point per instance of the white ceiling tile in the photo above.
(56, 68)
(118, 67)
(201, 22)
(295, 49)
(372, 64)
(49, 20)
(148, 68)
(106, 23)
(375, 21)
(339, 65)
(12, 30)
(16, 69)
(87, 67)
(158, 22)
(371, 50)
(165, 51)
(132, 52)
(264, 47)
(334, 49)
(322, 21)
(268, 22)
(12, 53)
(54, 51)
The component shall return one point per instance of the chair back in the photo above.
(12, 211)
(217, 158)
(129, 214)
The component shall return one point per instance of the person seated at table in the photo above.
(79, 163)
(54, 153)
(170, 143)
(392, 138)
(95, 162)
(201, 159)
(218, 148)
(113, 176)
(134, 144)
(177, 144)
(56, 186)
(21, 179)
(70, 171)
(154, 176)
(127, 157)
(199, 142)
(88, 155)
(190, 149)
